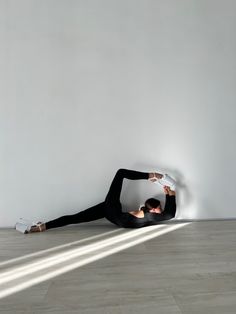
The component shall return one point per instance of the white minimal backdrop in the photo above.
(87, 87)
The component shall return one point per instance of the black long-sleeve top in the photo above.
(129, 221)
(168, 212)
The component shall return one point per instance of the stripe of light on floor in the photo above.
(44, 269)
(58, 247)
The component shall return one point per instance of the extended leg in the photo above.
(90, 214)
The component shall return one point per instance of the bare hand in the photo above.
(171, 192)
(168, 191)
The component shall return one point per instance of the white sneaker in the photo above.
(23, 226)
(166, 180)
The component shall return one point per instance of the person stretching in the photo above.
(111, 209)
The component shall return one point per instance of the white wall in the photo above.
(87, 87)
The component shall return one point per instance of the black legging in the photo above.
(111, 208)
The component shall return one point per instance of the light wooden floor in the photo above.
(187, 271)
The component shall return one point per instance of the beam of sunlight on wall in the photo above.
(65, 262)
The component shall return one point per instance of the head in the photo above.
(152, 205)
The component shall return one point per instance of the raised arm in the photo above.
(170, 204)
(168, 212)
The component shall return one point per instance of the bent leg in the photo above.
(90, 214)
(113, 195)
(113, 205)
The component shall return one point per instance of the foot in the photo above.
(168, 181)
(154, 176)
(39, 227)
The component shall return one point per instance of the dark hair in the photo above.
(151, 203)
